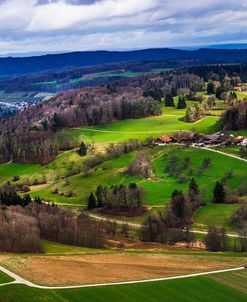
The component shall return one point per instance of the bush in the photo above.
(55, 191)
(25, 189)
(232, 199)
(239, 217)
(141, 166)
(182, 179)
(15, 178)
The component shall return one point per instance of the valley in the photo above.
(123, 183)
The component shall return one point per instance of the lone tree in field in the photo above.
(169, 101)
(91, 203)
(181, 103)
(194, 195)
(181, 209)
(193, 186)
(141, 166)
(100, 195)
(82, 149)
(219, 193)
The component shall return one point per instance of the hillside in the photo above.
(17, 66)
(126, 99)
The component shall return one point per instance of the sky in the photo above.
(71, 25)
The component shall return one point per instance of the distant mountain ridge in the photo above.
(14, 66)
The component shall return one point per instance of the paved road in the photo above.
(20, 280)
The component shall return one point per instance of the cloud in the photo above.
(64, 15)
(54, 25)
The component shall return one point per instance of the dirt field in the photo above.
(87, 269)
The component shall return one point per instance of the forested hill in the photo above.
(18, 66)
(29, 136)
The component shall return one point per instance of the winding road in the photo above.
(20, 280)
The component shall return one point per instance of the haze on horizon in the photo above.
(72, 25)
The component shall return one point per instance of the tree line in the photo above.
(22, 228)
(117, 199)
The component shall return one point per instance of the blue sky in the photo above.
(68, 25)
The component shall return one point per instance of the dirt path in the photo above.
(125, 132)
(8, 163)
(20, 280)
(138, 225)
(220, 152)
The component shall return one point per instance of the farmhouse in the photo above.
(189, 137)
(163, 140)
(238, 139)
(217, 139)
(240, 88)
(244, 143)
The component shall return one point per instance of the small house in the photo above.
(163, 140)
(240, 88)
(244, 143)
(239, 139)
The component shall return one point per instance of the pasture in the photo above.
(159, 188)
(144, 128)
(197, 289)
(68, 265)
(5, 278)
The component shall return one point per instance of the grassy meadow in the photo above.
(145, 127)
(158, 188)
(228, 287)
(5, 278)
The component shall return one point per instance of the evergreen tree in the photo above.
(100, 196)
(219, 193)
(169, 101)
(174, 91)
(91, 203)
(181, 103)
(210, 88)
(181, 209)
(193, 186)
(83, 149)
(57, 122)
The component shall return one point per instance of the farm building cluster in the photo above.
(197, 139)
(240, 88)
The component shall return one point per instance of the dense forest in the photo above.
(16, 66)
(92, 106)
(130, 98)
(22, 228)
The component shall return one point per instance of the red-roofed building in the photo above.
(239, 139)
(240, 88)
(163, 140)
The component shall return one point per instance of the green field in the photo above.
(158, 191)
(145, 127)
(228, 287)
(214, 214)
(241, 94)
(55, 248)
(5, 278)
